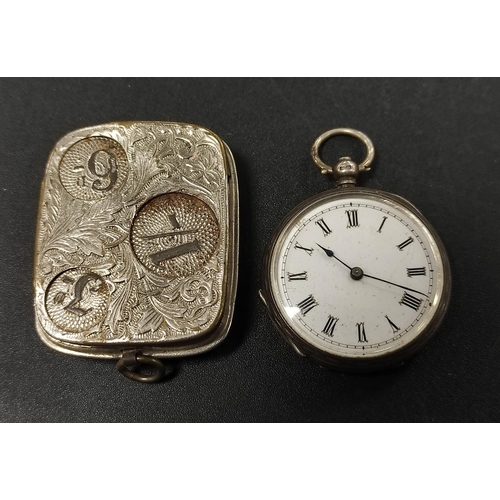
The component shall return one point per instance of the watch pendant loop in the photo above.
(132, 361)
(345, 162)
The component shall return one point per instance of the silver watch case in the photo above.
(327, 359)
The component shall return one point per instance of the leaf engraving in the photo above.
(187, 305)
(150, 321)
(51, 207)
(73, 233)
(119, 307)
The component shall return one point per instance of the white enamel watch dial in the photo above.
(356, 279)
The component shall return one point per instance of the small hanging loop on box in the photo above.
(131, 362)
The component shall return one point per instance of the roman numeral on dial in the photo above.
(410, 301)
(322, 224)
(309, 251)
(307, 304)
(361, 332)
(352, 218)
(394, 327)
(297, 276)
(330, 325)
(415, 271)
(405, 243)
(382, 225)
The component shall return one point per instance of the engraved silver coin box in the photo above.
(137, 244)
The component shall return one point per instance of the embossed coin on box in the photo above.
(137, 244)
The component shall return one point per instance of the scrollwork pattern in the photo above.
(95, 234)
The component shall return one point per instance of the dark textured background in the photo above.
(437, 145)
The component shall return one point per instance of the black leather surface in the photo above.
(437, 145)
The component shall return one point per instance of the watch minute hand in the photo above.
(395, 284)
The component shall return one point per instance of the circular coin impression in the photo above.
(175, 234)
(77, 300)
(93, 168)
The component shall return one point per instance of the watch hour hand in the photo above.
(326, 250)
(331, 254)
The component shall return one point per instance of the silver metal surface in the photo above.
(269, 294)
(137, 241)
(345, 171)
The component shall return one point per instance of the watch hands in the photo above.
(331, 254)
(395, 284)
(358, 275)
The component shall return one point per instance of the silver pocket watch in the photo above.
(355, 279)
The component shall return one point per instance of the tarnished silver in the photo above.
(133, 361)
(345, 173)
(137, 241)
